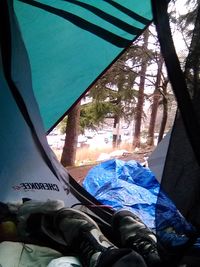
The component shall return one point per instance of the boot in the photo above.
(82, 235)
(136, 235)
(68, 228)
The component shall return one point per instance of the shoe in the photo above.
(82, 235)
(136, 235)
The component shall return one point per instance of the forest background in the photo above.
(131, 106)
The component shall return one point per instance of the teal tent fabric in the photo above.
(28, 169)
(70, 43)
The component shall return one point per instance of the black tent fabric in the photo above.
(182, 172)
(185, 134)
(180, 177)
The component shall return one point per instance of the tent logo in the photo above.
(36, 186)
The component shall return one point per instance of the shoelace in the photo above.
(24, 247)
(86, 248)
(143, 245)
(145, 248)
(142, 242)
(88, 245)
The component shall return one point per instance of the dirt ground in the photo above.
(80, 172)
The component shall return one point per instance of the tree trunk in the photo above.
(192, 66)
(115, 131)
(154, 109)
(72, 130)
(139, 107)
(164, 120)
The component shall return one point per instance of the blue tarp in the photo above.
(129, 185)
